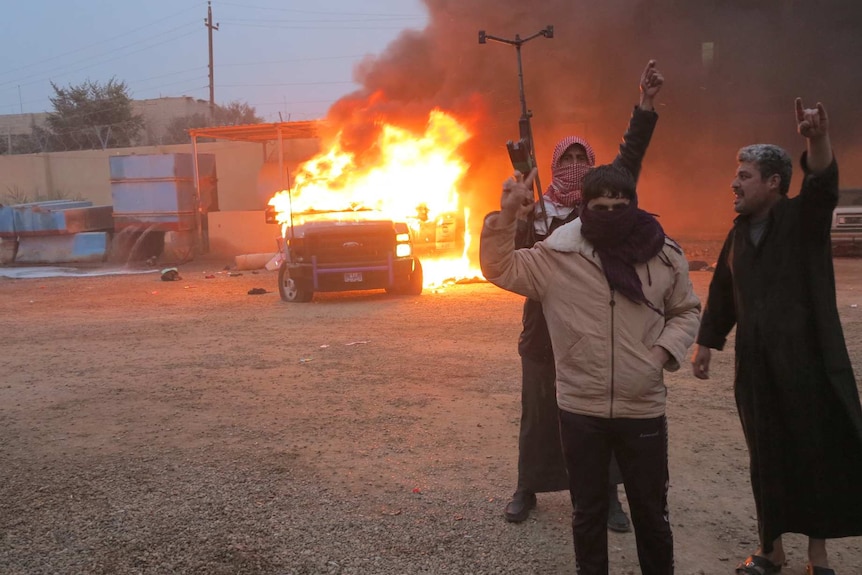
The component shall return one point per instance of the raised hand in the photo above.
(811, 123)
(651, 83)
(517, 197)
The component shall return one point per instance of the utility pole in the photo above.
(210, 27)
(524, 127)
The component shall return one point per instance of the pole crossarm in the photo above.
(524, 126)
(546, 32)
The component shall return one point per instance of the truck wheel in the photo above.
(289, 289)
(414, 284)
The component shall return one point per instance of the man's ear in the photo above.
(774, 182)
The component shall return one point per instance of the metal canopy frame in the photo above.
(255, 133)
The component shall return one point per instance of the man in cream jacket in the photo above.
(620, 309)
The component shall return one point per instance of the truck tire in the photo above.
(410, 284)
(289, 289)
(414, 284)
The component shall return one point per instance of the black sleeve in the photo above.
(819, 196)
(719, 314)
(636, 141)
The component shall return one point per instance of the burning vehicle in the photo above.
(358, 224)
(357, 249)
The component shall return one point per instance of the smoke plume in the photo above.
(731, 73)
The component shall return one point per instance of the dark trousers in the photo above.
(640, 446)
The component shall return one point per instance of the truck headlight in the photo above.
(403, 250)
(402, 238)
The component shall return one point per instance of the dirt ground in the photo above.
(189, 427)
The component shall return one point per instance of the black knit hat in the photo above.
(609, 181)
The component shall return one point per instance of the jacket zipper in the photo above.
(613, 352)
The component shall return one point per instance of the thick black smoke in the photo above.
(732, 70)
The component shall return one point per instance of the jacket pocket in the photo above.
(582, 369)
(637, 375)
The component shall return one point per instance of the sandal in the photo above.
(812, 570)
(759, 565)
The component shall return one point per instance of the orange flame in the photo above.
(415, 181)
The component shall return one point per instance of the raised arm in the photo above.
(819, 192)
(642, 123)
(522, 271)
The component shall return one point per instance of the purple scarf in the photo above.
(622, 238)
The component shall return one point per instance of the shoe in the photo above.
(518, 509)
(813, 570)
(617, 519)
(757, 565)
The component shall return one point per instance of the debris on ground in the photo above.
(171, 275)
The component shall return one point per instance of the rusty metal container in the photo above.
(156, 192)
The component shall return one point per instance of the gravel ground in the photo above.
(187, 427)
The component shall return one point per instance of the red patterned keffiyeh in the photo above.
(565, 188)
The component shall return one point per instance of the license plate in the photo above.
(353, 277)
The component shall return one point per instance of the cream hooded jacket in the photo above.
(601, 340)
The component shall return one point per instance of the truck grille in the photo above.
(353, 244)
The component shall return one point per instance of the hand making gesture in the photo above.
(813, 125)
(811, 122)
(650, 85)
(517, 196)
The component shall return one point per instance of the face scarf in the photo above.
(624, 237)
(565, 188)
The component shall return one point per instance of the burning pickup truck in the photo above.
(354, 217)
(326, 251)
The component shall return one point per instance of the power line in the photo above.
(337, 21)
(43, 77)
(286, 84)
(294, 11)
(82, 48)
(293, 61)
(289, 27)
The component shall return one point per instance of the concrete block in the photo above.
(8, 249)
(241, 232)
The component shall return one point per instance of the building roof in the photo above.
(260, 132)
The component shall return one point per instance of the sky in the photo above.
(363, 63)
(281, 57)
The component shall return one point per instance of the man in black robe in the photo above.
(794, 384)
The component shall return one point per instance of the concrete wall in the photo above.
(248, 175)
(242, 232)
(245, 182)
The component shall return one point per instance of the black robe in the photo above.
(794, 386)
